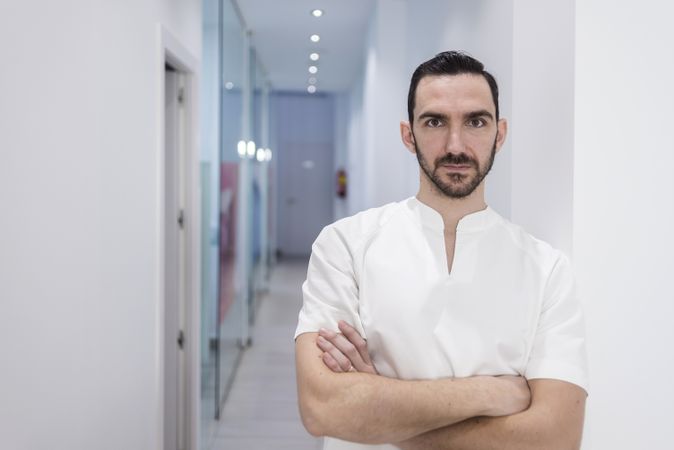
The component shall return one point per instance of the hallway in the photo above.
(261, 411)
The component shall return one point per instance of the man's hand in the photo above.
(347, 351)
(512, 395)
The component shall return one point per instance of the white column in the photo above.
(623, 217)
(389, 170)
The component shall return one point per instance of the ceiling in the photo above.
(280, 33)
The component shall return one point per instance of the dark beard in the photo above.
(461, 185)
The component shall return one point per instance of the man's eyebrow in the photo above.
(479, 113)
(431, 115)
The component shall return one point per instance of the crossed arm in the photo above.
(469, 413)
(554, 421)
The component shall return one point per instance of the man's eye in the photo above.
(434, 123)
(477, 123)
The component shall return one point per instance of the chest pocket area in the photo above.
(399, 333)
(482, 336)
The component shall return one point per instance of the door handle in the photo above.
(181, 339)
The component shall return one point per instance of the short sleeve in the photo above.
(558, 350)
(330, 292)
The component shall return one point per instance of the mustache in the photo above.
(461, 158)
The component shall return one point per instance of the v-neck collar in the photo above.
(470, 223)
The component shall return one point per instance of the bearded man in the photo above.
(435, 323)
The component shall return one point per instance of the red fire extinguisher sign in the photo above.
(341, 183)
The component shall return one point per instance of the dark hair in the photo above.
(449, 63)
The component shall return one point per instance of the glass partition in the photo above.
(221, 103)
(260, 120)
(210, 181)
(234, 111)
(231, 107)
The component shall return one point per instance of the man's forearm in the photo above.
(546, 425)
(517, 432)
(374, 409)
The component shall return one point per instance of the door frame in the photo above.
(173, 53)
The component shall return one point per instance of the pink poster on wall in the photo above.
(228, 211)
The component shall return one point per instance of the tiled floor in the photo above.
(261, 410)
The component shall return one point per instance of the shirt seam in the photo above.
(375, 229)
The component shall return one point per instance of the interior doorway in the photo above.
(304, 130)
(174, 264)
(179, 222)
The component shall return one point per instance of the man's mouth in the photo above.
(459, 167)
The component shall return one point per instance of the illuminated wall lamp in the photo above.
(241, 149)
(250, 149)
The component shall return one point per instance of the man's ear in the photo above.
(407, 136)
(501, 132)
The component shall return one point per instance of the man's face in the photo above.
(454, 134)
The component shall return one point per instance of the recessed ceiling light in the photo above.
(229, 85)
(311, 89)
(312, 80)
(317, 12)
(313, 69)
(315, 38)
(314, 56)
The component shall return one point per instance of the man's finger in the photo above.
(346, 348)
(325, 345)
(332, 364)
(355, 338)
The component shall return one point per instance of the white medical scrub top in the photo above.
(508, 307)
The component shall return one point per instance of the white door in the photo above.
(174, 361)
(304, 129)
(306, 197)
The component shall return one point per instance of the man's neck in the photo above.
(452, 210)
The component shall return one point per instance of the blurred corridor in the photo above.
(261, 410)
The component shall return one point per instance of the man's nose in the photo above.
(455, 143)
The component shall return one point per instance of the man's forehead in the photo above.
(459, 81)
(469, 91)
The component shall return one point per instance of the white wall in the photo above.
(79, 189)
(356, 172)
(623, 218)
(379, 168)
(385, 160)
(541, 125)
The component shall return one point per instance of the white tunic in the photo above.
(508, 307)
